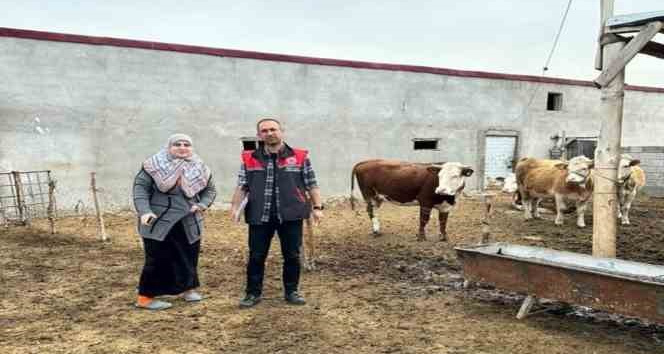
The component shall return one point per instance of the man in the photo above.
(276, 178)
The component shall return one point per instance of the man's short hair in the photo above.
(267, 120)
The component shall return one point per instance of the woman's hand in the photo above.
(148, 218)
(195, 208)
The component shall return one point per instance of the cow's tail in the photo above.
(352, 187)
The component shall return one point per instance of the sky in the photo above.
(508, 36)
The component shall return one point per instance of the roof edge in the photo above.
(234, 53)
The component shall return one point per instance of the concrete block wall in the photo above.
(652, 163)
(74, 108)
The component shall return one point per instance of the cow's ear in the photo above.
(634, 162)
(434, 169)
(561, 165)
(467, 171)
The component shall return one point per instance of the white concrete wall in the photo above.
(75, 108)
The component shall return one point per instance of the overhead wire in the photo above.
(545, 68)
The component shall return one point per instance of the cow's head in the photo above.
(451, 177)
(625, 167)
(578, 170)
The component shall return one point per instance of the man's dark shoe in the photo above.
(250, 300)
(295, 299)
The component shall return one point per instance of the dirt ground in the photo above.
(71, 293)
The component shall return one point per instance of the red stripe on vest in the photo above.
(250, 162)
(296, 161)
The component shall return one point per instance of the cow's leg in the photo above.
(303, 256)
(375, 224)
(536, 208)
(581, 206)
(621, 201)
(560, 203)
(308, 247)
(517, 201)
(379, 200)
(526, 202)
(370, 196)
(442, 221)
(626, 206)
(559, 209)
(443, 213)
(425, 214)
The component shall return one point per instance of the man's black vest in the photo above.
(293, 204)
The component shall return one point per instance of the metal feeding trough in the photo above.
(614, 285)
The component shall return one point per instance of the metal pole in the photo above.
(605, 201)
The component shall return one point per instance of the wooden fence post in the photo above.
(51, 204)
(487, 211)
(20, 203)
(607, 154)
(3, 215)
(101, 230)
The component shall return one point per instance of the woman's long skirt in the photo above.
(171, 265)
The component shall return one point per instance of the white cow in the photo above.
(510, 185)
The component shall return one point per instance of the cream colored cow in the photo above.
(631, 178)
(539, 178)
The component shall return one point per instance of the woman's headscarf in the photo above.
(166, 169)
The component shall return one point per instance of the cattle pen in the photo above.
(86, 111)
(70, 293)
(617, 287)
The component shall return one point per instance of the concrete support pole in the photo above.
(605, 201)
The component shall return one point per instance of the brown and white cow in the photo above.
(538, 178)
(631, 178)
(406, 183)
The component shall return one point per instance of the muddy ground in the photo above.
(71, 293)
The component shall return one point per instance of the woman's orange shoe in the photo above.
(149, 303)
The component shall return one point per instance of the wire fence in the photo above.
(25, 196)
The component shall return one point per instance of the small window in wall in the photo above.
(249, 143)
(554, 101)
(425, 144)
(581, 147)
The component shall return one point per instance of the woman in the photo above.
(170, 192)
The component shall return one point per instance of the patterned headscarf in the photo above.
(167, 169)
